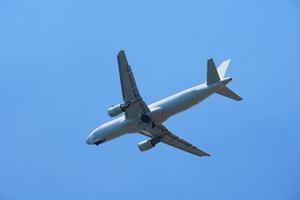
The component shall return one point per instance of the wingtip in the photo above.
(239, 98)
(122, 51)
(228, 61)
(204, 154)
(210, 60)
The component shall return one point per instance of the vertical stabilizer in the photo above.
(223, 68)
(215, 75)
(212, 73)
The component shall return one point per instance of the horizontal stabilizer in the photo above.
(225, 91)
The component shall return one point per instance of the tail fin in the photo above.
(225, 91)
(223, 68)
(215, 75)
(212, 73)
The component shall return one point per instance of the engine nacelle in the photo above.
(147, 144)
(118, 109)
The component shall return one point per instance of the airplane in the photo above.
(138, 117)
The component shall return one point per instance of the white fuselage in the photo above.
(159, 112)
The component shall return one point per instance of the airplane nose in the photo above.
(89, 140)
(96, 137)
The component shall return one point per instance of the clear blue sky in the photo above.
(58, 75)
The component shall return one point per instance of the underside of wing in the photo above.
(129, 88)
(165, 136)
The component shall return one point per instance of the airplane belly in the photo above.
(158, 114)
(179, 103)
(112, 133)
(110, 130)
(182, 101)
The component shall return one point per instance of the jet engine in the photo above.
(118, 109)
(147, 144)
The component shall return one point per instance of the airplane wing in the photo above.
(130, 91)
(165, 136)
